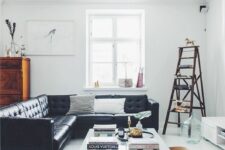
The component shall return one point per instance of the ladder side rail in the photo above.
(193, 75)
(201, 82)
(178, 71)
(199, 95)
(172, 93)
(168, 110)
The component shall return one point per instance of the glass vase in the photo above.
(13, 48)
(139, 125)
(191, 130)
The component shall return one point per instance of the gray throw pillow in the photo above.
(81, 104)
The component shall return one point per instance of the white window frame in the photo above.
(114, 12)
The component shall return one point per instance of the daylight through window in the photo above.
(115, 46)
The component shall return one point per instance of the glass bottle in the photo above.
(13, 47)
(139, 125)
(191, 130)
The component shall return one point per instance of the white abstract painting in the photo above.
(50, 37)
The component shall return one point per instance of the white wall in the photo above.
(215, 84)
(1, 26)
(167, 25)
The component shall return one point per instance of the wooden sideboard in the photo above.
(14, 80)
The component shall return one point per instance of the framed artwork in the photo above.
(52, 37)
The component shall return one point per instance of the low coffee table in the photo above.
(162, 144)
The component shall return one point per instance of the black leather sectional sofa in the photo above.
(42, 123)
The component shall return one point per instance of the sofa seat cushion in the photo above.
(88, 120)
(61, 135)
(64, 120)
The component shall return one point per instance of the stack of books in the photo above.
(100, 143)
(104, 130)
(143, 144)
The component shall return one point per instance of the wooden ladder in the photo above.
(186, 88)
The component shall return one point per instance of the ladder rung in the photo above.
(182, 87)
(195, 107)
(173, 122)
(187, 58)
(181, 100)
(189, 47)
(183, 77)
(179, 111)
(186, 66)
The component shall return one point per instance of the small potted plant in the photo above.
(12, 29)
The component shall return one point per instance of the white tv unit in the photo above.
(211, 130)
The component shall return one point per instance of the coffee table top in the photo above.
(162, 144)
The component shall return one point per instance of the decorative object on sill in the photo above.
(191, 129)
(125, 82)
(140, 116)
(140, 83)
(97, 84)
(12, 29)
(189, 42)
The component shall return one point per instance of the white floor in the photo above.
(172, 138)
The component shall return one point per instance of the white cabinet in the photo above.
(212, 128)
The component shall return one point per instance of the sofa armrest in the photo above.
(26, 134)
(154, 107)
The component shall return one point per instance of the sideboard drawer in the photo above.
(9, 99)
(10, 82)
(209, 132)
(6, 64)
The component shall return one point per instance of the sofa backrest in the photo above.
(58, 104)
(133, 103)
(13, 110)
(32, 108)
(43, 100)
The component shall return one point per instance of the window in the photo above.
(115, 45)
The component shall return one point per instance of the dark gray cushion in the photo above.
(134, 103)
(58, 104)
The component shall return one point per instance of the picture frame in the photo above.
(50, 37)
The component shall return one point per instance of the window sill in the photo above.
(143, 89)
